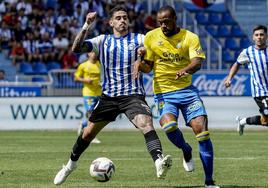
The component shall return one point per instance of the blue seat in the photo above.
(236, 54)
(53, 65)
(227, 56)
(231, 44)
(38, 79)
(236, 31)
(26, 68)
(201, 18)
(39, 68)
(244, 42)
(214, 18)
(223, 31)
(228, 19)
(212, 30)
(203, 43)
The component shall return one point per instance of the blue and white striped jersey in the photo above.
(257, 60)
(117, 56)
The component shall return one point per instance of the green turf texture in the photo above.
(31, 159)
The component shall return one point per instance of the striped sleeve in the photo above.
(243, 58)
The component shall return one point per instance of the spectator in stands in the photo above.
(84, 6)
(36, 14)
(23, 19)
(135, 6)
(3, 77)
(5, 38)
(132, 21)
(45, 48)
(60, 44)
(69, 60)
(78, 14)
(150, 22)
(30, 46)
(50, 14)
(74, 28)
(47, 27)
(10, 18)
(3, 7)
(26, 5)
(140, 22)
(62, 16)
(18, 53)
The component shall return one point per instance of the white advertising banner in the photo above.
(67, 112)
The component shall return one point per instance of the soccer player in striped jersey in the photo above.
(88, 73)
(120, 93)
(256, 59)
(174, 54)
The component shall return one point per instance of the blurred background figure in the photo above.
(3, 77)
(88, 73)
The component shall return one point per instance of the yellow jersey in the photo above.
(171, 54)
(90, 70)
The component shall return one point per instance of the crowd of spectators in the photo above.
(43, 30)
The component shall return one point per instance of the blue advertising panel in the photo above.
(212, 84)
(20, 91)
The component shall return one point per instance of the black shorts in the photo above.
(262, 102)
(108, 108)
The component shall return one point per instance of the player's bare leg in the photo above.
(145, 125)
(79, 147)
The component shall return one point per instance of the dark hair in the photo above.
(1, 70)
(260, 27)
(116, 9)
(168, 8)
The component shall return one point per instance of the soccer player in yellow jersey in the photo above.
(174, 54)
(88, 73)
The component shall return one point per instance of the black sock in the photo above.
(79, 147)
(153, 144)
(255, 120)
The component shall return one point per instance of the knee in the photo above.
(144, 123)
(170, 126)
(264, 121)
(199, 124)
(203, 136)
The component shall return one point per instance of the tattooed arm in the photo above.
(78, 45)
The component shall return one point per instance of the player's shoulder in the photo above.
(247, 49)
(138, 35)
(189, 33)
(154, 32)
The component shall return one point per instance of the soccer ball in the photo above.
(102, 169)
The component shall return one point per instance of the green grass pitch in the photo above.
(30, 159)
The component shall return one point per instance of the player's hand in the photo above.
(91, 16)
(180, 74)
(88, 80)
(141, 51)
(136, 67)
(227, 82)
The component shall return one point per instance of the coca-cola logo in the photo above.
(215, 86)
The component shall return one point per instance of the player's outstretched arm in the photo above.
(232, 73)
(193, 67)
(141, 64)
(78, 45)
